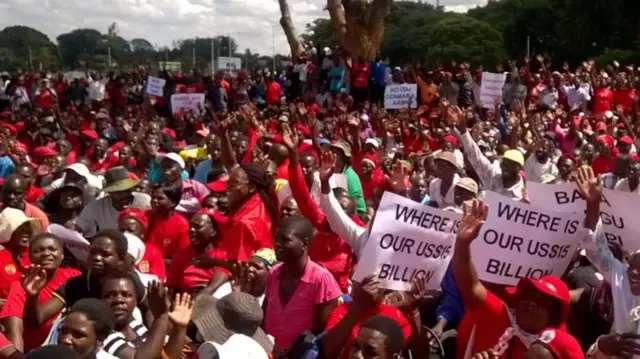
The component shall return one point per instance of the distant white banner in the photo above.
(400, 96)
(187, 101)
(491, 87)
(155, 86)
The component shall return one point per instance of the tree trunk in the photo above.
(295, 43)
(359, 25)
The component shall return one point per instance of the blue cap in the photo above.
(324, 141)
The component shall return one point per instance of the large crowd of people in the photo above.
(131, 229)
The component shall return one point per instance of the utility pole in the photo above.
(273, 43)
(193, 57)
(30, 58)
(213, 67)
(109, 52)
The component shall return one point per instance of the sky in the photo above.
(253, 23)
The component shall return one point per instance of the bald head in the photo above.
(278, 153)
(13, 191)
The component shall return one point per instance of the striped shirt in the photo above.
(116, 340)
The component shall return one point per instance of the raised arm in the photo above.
(472, 290)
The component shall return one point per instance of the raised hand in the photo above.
(457, 118)
(473, 218)
(589, 184)
(33, 279)
(157, 299)
(399, 177)
(369, 293)
(182, 310)
(327, 165)
(289, 137)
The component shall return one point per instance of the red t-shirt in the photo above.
(14, 307)
(369, 186)
(33, 194)
(107, 163)
(247, 230)
(603, 165)
(490, 320)
(625, 99)
(169, 234)
(381, 309)
(186, 276)
(44, 99)
(412, 143)
(274, 91)
(361, 74)
(10, 270)
(603, 101)
(152, 262)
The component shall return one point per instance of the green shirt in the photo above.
(354, 187)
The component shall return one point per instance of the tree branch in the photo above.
(379, 9)
(295, 43)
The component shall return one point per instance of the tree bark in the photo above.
(359, 25)
(295, 43)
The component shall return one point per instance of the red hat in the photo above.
(44, 151)
(90, 133)
(371, 159)
(12, 128)
(20, 147)
(451, 138)
(137, 214)
(626, 139)
(607, 139)
(562, 344)
(219, 185)
(169, 132)
(549, 285)
(304, 129)
(601, 126)
(215, 215)
(178, 75)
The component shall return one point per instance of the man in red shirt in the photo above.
(360, 74)
(274, 91)
(603, 98)
(33, 192)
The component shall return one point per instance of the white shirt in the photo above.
(95, 89)
(623, 186)
(577, 97)
(549, 97)
(301, 69)
(21, 96)
(535, 170)
(435, 193)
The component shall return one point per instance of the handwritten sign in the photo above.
(400, 96)
(155, 86)
(491, 87)
(408, 239)
(187, 101)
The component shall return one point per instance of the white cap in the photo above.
(373, 142)
(135, 247)
(83, 171)
(237, 346)
(172, 156)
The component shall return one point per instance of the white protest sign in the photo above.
(187, 101)
(399, 95)
(491, 87)
(408, 239)
(155, 86)
(616, 210)
(519, 240)
(72, 240)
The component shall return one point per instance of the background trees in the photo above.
(404, 31)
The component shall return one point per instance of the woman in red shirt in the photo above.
(45, 251)
(371, 176)
(168, 229)
(184, 275)
(252, 211)
(16, 231)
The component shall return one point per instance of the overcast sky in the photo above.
(163, 21)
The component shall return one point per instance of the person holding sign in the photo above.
(507, 329)
(505, 180)
(624, 278)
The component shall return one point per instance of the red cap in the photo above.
(44, 151)
(626, 139)
(20, 147)
(220, 185)
(451, 138)
(12, 128)
(5, 114)
(91, 134)
(169, 132)
(304, 129)
(577, 120)
(371, 159)
(137, 214)
(562, 344)
(601, 126)
(215, 215)
(549, 285)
